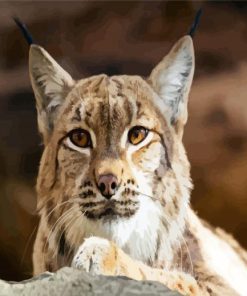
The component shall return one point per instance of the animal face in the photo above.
(113, 148)
(110, 145)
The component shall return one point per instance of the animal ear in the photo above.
(172, 79)
(51, 84)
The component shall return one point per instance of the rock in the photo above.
(71, 282)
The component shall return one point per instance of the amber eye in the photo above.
(80, 138)
(137, 134)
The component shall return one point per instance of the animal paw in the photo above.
(184, 283)
(96, 256)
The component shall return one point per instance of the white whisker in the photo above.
(64, 216)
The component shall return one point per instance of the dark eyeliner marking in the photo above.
(77, 116)
(165, 148)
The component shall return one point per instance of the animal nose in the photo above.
(108, 185)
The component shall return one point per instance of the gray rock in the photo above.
(71, 282)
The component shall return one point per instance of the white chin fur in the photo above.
(135, 235)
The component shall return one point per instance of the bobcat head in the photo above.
(114, 164)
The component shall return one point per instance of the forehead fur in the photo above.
(105, 103)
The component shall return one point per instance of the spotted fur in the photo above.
(147, 230)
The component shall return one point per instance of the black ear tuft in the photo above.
(27, 35)
(195, 23)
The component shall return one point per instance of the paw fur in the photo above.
(96, 256)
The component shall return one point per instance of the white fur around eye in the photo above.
(79, 149)
(93, 137)
(130, 147)
(124, 139)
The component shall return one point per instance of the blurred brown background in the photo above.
(130, 38)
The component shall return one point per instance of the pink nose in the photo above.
(108, 185)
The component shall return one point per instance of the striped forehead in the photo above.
(104, 98)
(101, 101)
(107, 105)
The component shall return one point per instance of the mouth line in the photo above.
(109, 209)
(110, 204)
(109, 212)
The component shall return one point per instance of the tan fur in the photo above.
(147, 229)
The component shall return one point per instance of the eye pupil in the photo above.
(79, 136)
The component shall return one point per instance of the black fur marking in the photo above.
(195, 23)
(209, 290)
(87, 193)
(56, 170)
(109, 214)
(87, 183)
(127, 202)
(127, 191)
(51, 216)
(27, 35)
(90, 204)
(168, 162)
(158, 244)
(63, 246)
(49, 267)
(77, 116)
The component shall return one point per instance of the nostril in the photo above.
(113, 185)
(102, 187)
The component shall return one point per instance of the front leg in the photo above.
(100, 256)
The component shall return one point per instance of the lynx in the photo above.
(114, 179)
